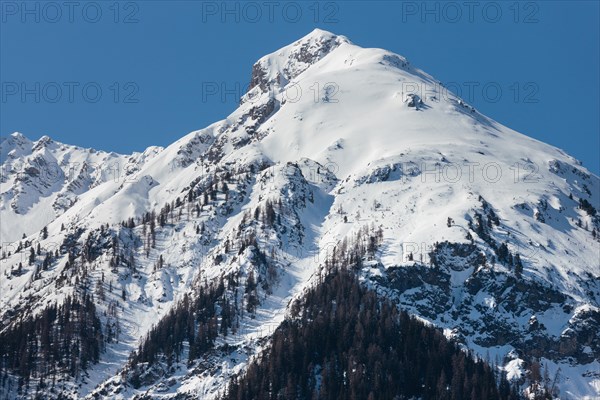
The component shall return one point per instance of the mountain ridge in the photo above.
(330, 141)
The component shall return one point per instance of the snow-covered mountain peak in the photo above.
(275, 70)
(318, 34)
(18, 136)
(14, 139)
(41, 179)
(44, 140)
(318, 41)
(43, 143)
(476, 228)
(13, 145)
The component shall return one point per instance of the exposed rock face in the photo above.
(291, 62)
(486, 306)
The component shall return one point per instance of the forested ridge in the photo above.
(343, 342)
(39, 350)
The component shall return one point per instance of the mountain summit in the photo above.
(275, 70)
(184, 267)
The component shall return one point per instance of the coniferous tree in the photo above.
(31, 256)
(518, 265)
(251, 294)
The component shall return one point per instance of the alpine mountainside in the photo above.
(342, 342)
(348, 196)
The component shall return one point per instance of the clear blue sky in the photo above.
(152, 59)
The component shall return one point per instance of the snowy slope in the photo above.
(343, 138)
(41, 180)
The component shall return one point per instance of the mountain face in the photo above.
(42, 179)
(173, 268)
